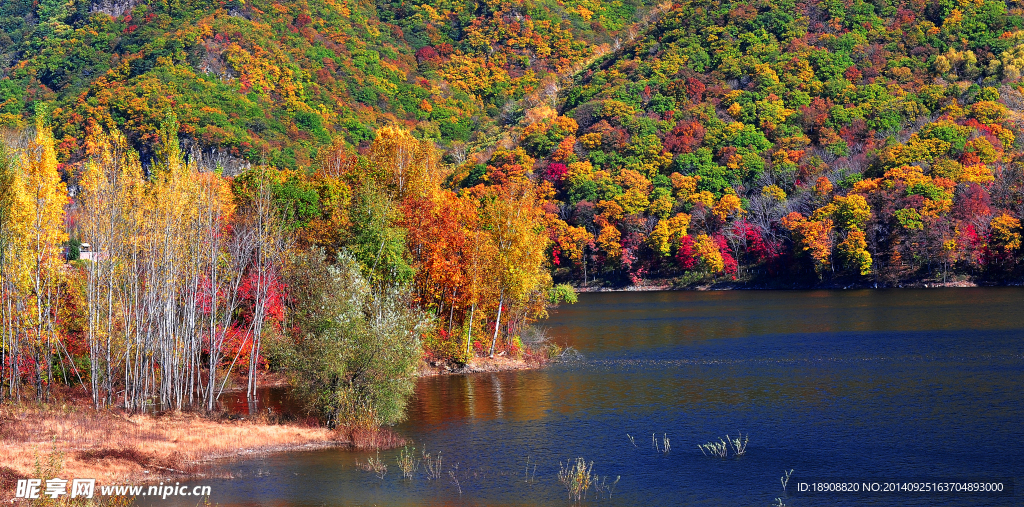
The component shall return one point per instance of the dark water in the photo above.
(853, 385)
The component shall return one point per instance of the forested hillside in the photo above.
(844, 142)
(193, 192)
(665, 139)
(276, 82)
(260, 182)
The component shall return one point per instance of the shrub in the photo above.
(355, 346)
(450, 349)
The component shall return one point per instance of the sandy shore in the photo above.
(113, 448)
(483, 365)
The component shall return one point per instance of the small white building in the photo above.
(85, 252)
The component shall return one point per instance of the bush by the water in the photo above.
(352, 357)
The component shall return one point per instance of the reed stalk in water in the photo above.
(720, 448)
(785, 479)
(576, 477)
(527, 471)
(433, 465)
(739, 445)
(374, 464)
(454, 475)
(407, 462)
(604, 487)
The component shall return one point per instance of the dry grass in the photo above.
(363, 437)
(114, 448)
(8, 478)
(487, 365)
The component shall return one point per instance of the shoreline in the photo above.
(483, 365)
(119, 449)
(115, 449)
(736, 285)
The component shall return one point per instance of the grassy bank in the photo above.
(113, 448)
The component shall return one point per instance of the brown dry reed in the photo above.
(368, 437)
(51, 465)
(374, 464)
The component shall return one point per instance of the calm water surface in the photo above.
(831, 384)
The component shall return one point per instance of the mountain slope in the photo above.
(828, 138)
(278, 81)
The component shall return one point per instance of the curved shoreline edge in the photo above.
(116, 449)
(656, 286)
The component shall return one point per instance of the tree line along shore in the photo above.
(344, 279)
(191, 283)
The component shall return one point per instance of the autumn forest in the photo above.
(194, 194)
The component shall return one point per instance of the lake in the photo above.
(876, 386)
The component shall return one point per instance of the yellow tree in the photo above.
(13, 219)
(129, 257)
(813, 237)
(479, 252)
(709, 253)
(514, 220)
(854, 252)
(108, 198)
(45, 199)
(167, 209)
(406, 164)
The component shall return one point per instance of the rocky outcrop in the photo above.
(113, 8)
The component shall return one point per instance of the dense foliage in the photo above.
(850, 141)
(355, 355)
(277, 81)
(455, 160)
(345, 278)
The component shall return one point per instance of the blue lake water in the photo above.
(873, 385)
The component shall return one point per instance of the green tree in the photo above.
(377, 243)
(352, 359)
